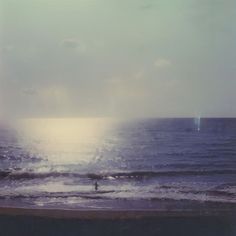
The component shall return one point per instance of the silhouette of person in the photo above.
(96, 186)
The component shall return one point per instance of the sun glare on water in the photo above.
(65, 141)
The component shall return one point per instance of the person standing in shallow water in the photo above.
(96, 186)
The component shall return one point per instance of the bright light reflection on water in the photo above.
(65, 141)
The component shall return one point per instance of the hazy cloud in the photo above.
(173, 62)
(161, 62)
(29, 91)
(147, 6)
(70, 43)
(7, 49)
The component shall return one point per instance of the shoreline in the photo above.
(104, 214)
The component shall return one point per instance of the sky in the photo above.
(128, 58)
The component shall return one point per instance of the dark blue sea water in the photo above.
(144, 163)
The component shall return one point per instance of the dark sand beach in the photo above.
(22, 221)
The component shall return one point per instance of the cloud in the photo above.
(147, 6)
(70, 43)
(161, 62)
(73, 44)
(7, 49)
(128, 87)
(54, 96)
(29, 91)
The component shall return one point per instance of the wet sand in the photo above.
(110, 214)
(22, 221)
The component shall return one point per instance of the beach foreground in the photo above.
(22, 221)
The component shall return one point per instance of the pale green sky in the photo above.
(118, 57)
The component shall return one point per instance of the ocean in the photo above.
(160, 164)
